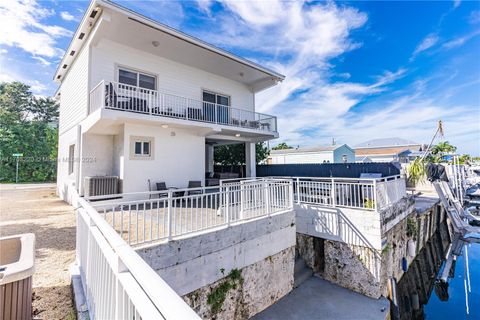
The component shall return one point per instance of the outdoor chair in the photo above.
(113, 100)
(194, 184)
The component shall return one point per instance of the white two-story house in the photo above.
(142, 101)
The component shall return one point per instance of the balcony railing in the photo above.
(371, 194)
(119, 96)
(163, 215)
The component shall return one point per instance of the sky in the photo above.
(355, 70)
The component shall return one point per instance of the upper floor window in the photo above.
(137, 79)
(217, 98)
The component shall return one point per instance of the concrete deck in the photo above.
(320, 299)
(423, 202)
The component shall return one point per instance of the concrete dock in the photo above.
(320, 299)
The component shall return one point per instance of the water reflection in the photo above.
(421, 296)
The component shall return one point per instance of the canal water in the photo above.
(421, 297)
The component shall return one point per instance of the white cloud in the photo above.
(459, 41)
(22, 27)
(65, 15)
(428, 42)
(474, 17)
(456, 3)
(43, 61)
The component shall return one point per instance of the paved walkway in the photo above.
(320, 299)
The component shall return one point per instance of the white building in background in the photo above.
(328, 154)
(142, 101)
(387, 149)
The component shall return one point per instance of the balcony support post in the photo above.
(250, 160)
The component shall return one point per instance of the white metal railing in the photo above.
(389, 191)
(117, 282)
(358, 193)
(161, 215)
(119, 96)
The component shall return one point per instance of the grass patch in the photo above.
(217, 297)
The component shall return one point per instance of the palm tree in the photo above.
(442, 148)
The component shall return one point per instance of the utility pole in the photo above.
(17, 155)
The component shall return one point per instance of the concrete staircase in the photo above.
(301, 272)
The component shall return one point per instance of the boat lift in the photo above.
(466, 228)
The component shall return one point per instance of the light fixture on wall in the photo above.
(164, 126)
(155, 43)
(237, 135)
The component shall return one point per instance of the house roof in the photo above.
(94, 11)
(362, 158)
(386, 143)
(380, 151)
(308, 150)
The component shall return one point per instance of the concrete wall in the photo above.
(179, 156)
(64, 179)
(197, 261)
(357, 227)
(261, 285)
(172, 77)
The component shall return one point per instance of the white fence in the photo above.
(357, 193)
(119, 96)
(161, 215)
(117, 282)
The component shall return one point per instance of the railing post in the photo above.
(215, 112)
(103, 94)
(242, 197)
(186, 109)
(267, 197)
(298, 190)
(375, 204)
(169, 215)
(291, 193)
(334, 196)
(227, 205)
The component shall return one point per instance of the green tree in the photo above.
(282, 146)
(28, 126)
(234, 154)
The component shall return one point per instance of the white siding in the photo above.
(307, 157)
(74, 92)
(344, 150)
(172, 77)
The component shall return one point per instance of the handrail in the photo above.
(119, 96)
(150, 218)
(165, 299)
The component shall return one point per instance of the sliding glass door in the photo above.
(216, 107)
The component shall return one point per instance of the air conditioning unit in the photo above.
(101, 185)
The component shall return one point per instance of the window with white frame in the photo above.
(71, 158)
(141, 147)
(137, 78)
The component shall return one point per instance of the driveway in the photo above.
(35, 208)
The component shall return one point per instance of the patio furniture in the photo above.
(194, 184)
(176, 194)
(264, 125)
(254, 124)
(113, 100)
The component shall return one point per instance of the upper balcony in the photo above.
(127, 98)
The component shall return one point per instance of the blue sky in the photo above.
(354, 70)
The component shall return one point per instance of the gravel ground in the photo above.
(35, 208)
